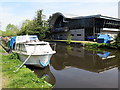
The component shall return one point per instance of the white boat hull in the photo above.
(31, 51)
(36, 60)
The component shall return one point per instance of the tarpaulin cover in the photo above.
(103, 38)
(12, 42)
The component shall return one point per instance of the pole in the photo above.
(23, 63)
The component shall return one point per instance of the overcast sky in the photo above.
(16, 11)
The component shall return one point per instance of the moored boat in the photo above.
(29, 47)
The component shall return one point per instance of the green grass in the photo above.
(103, 45)
(24, 78)
(1, 50)
(73, 41)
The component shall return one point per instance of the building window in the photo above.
(72, 34)
(78, 34)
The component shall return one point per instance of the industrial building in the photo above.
(82, 27)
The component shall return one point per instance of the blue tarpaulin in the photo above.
(103, 38)
(12, 42)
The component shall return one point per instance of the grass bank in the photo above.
(91, 44)
(24, 78)
(72, 41)
(103, 45)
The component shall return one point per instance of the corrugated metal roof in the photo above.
(73, 16)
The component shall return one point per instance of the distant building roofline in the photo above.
(70, 16)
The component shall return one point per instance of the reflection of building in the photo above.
(89, 61)
(82, 27)
(76, 51)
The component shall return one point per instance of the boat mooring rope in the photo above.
(23, 63)
(25, 60)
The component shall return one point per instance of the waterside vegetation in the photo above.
(38, 26)
(114, 45)
(24, 78)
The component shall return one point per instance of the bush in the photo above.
(69, 39)
(13, 56)
(117, 39)
(103, 45)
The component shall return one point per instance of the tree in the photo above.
(11, 30)
(37, 26)
(11, 27)
(117, 40)
(27, 27)
(41, 25)
(1, 33)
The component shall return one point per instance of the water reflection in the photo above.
(44, 72)
(70, 65)
(78, 57)
(105, 55)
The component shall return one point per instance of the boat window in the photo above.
(36, 44)
(23, 48)
(42, 44)
(33, 38)
(20, 47)
(17, 47)
(31, 44)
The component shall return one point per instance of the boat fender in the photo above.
(44, 65)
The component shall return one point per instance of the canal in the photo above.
(75, 67)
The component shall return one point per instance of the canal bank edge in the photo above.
(90, 44)
(24, 78)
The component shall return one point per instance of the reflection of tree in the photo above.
(69, 49)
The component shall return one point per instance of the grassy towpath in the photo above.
(24, 78)
(73, 41)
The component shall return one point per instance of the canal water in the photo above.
(76, 67)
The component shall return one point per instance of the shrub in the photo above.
(13, 56)
(69, 39)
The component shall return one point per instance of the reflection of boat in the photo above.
(89, 61)
(46, 73)
(31, 50)
(105, 55)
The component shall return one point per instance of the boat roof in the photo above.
(25, 38)
(38, 42)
